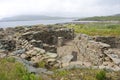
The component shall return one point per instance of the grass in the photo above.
(12, 70)
(100, 29)
(85, 74)
(41, 64)
(102, 18)
(101, 75)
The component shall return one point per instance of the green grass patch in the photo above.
(101, 75)
(100, 29)
(12, 70)
(85, 74)
(41, 64)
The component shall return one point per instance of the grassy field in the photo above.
(100, 29)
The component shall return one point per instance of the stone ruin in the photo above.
(59, 47)
(103, 52)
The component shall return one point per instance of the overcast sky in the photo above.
(66, 8)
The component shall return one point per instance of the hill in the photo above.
(102, 18)
(30, 18)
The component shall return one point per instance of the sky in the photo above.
(63, 8)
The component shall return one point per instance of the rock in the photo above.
(60, 41)
(103, 45)
(38, 43)
(102, 67)
(39, 50)
(30, 52)
(51, 60)
(24, 56)
(35, 52)
(31, 69)
(50, 48)
(95, 67)
(7, 44)
(21, 51)
(49, 72)
(105, 63)
(73, 67)
(57, 65)
(116, 68)
(28, 35)
(52, 55)
(2, 55)
(67, 58)
(108, 68)
(37, 59)
(74, 56)
(107, 59)
(65, 64)
(87, 64)
(114, 58)
(76, 63)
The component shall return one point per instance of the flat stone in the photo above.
(67, 58)
(115, 59)
(103, 45)
(52, 55)
(42, 51)
(51, 60)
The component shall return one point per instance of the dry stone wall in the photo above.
(90, 49)
(49, 36)
(114, 42)
(100, 51)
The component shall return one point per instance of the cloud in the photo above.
(68, 8)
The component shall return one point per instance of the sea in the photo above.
(29, 23)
